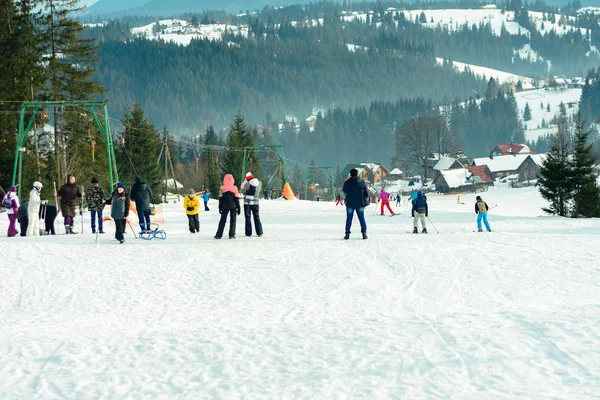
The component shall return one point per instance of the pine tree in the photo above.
(139, 156)
(211, 141)
(554, 177)
(238, 138)
(586, 194)
(527, 112)
(296, 180)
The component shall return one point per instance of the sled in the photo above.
(156, 232)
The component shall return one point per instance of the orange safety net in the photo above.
(288, 193)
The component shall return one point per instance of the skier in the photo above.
(11, 203)
(338, 200)
(481, 209)
(142, 195)
(398, 200)
(68, 193)
(23, 217)
(192, 207)
(420, 210)
(229, 204)
(357, 198)
(384, 197)
(206, 197)
(266, 194)
(120, 204)
(95, 199)
(251, 192)
(33, 210)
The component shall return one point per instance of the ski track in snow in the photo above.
(301, 313)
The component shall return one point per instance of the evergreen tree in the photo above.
(212, 161)
(296, 180)
(138, 157)
(238, 138)
(527, 112)
(554, 177)
(586, 194)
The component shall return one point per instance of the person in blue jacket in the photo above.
(205, 197)
(357, 198)
(420, 210)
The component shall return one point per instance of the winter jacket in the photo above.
(229, 198)
(34, 202)
(420, 205)
(384, 196)
(206, 196)
(192, 206)
(142, 195)
(357, 194)
(23, 213)
(94, 196)
(120, 205)
(14, 202)
(251, 192)
(68, 194)
(397, 197)
(480, 207)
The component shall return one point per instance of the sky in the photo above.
(88, 2)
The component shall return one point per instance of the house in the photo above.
(481, 177)
(311, 122)
(510, 148)
(378, 172)
(522, 165)
(539, 158)
(363, 171)
(395, 174)
(454, 180)
(447, 163)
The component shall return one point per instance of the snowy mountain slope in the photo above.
(501, 76)
(300, 313)
(552, 97)
(181, 32)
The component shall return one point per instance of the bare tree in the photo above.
(418, 138)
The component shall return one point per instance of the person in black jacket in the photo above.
(23, 217)
(229, 204)
(357, 198)
(49, 213)
(142, 195)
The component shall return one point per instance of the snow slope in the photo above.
(501, 76)
(182, 33)
(300, 313)
(570, 97)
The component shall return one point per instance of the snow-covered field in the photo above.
(182, 33)
(501, 76)
(300, 313)
(535, 98)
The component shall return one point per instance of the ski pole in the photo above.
(494, 206)
(132, 231)
(433, 225)
(81, 209)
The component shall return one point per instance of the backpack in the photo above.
(421, 204)
(251, 191)
(7, 202)
(481, 207)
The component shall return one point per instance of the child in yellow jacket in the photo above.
(192, 206)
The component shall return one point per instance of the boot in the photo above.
(424, 230)
(67, 229)
(365, 236)
(346, 236)
(479, 230)
(415, 230)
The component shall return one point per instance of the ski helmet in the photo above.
(38, 185)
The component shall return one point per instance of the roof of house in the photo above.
(360, 168)
(502, 163)
(373, 167)
(445, 163)
(396, 171)
(512, 148)
(456, 177)
(539, 158)
(482, 172)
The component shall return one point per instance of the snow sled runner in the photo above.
(156, 232)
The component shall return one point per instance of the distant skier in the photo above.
(481, 209)
(120, 203)
(338, 200)
(384, 197)
(192, 207)
(141, 194)
(11, 203)
(23, 217)
(229, 204)
(251, 192)
(266, 194)
(206, 197)
(95, 200)
(420, 210)
(68, 194)
(398, 200)
(33, 210)
(357, 198)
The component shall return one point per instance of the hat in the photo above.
(13, 189)
(191, 191)
(478, 198)
(419, 193)
(120, 185)
(353, 172)
(95, 179)
(249, 176)
(38, 185)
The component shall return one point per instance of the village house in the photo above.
(395, 174)
(363, 171)
(522, 165)
(378, 172)
(464, 179)
(509, 149)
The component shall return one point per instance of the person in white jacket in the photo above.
(33, 210)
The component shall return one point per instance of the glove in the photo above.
(239, 211)
(126, 215)
(190, 208)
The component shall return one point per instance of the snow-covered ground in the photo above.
(300, 313)
(182, 33)
(501, 76)
(570, 97)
